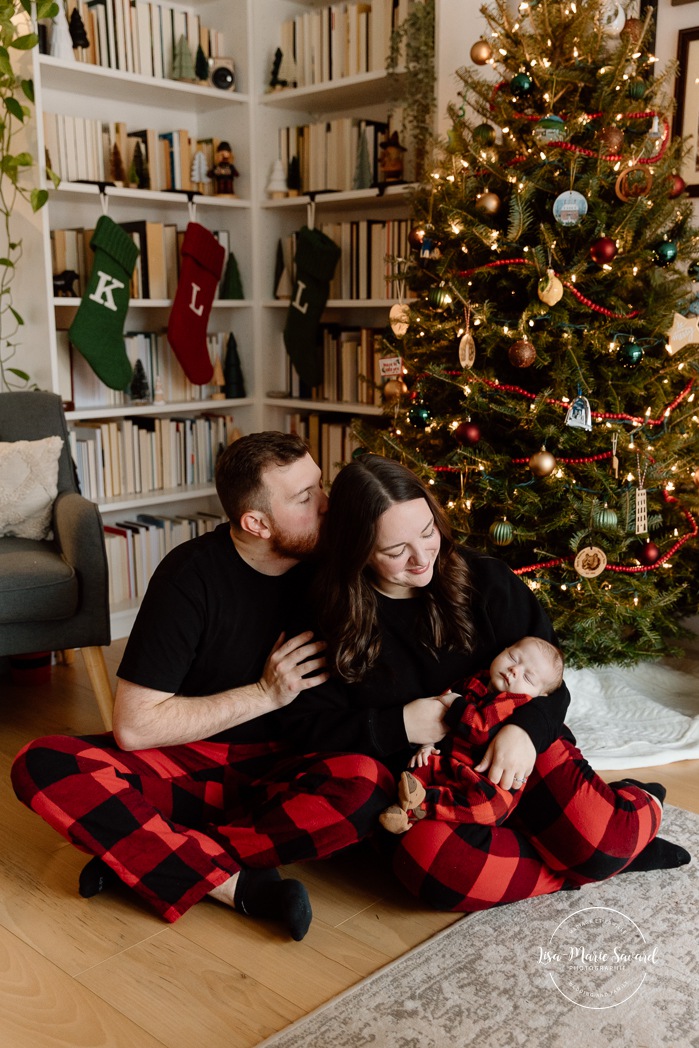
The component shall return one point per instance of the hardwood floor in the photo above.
(106, 973)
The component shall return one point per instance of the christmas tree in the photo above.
(549, 366)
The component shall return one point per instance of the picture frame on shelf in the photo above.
(686, 119)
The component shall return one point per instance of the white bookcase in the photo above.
(249, 117)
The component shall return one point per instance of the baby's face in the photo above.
(522, 668)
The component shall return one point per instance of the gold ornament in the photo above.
(488, 203)
(481, 52)
(590, 562)
(394, 389)
(550, 289)
(542, 463)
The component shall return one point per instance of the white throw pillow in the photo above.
(28, 486)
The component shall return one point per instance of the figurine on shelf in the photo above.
(275, 81)
(391, 161)
(224, 172)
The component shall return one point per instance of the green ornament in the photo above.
(520, 85)
(630, 354)
(549, 129)
(665, 252)
(501, 532)
(231, 284)
(358, 452)
(636, 88)
(605, 518)
(438, 297)
(420, 416)
(484, 135)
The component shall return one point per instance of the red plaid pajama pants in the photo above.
(568, 829)
(455, 792)
(175, 822)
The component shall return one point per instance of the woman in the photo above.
(406, 613)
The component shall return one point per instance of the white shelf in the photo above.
(174, 197)
(394, 194)
(334, 95)
(187, 408)
(157, 303)
(340, 303)
(155, 498)
(326, 406)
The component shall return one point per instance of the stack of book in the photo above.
(136, 36)
(339, 40)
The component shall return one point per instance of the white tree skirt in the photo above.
(646, 714)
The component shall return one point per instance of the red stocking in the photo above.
(200, 272)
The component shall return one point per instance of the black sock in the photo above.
(262, 893)
(95, 877)
(656, 788)
(659, 855)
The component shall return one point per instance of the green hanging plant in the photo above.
(16, 102)
(411, 65)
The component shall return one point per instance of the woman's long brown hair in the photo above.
(345, 598)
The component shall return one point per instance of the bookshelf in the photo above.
(251, 118)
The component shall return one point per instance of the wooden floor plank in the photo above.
(42, 1007)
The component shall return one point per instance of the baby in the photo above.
(443, 784)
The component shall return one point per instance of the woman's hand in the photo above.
(510, 757)
(424, 721)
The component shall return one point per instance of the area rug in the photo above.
(636, 716)
(613, 964)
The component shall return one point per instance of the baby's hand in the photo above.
(447, 697)
(422, 758)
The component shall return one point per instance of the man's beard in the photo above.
(296, 547)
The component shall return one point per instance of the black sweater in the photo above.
(368, 717)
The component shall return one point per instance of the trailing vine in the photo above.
(413, 50)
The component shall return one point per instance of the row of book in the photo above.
(140, 37)
(369, 266)
(338, 155)
(339, 40)
(80, 149)
(157, 268)
(331, 443)
(164, 376)
(136, 546)
(351, 371)
(117, 458)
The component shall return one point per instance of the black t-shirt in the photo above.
(368, 717)
(208, 622)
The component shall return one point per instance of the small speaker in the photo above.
(222, 73)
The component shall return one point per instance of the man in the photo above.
(195, 793)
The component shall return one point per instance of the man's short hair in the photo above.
(240, 469)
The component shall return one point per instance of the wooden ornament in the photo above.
(467, 350)
(399, 318)
(633, 183)
(590, 562)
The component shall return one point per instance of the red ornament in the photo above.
(522, 353)
(603, 250)
(649, 554)
(415, 237)
(677, 186)
(467, 433)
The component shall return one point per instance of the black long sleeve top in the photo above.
(368, 717)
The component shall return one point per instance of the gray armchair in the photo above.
(54, 593)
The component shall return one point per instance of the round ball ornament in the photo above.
(693, 271)
(665, 252)
(481, 52)
(467, 433)
(550, 289)
(630, 354)
(420, 416)
(549, 129)
(632, 31)
(484, 135)
(606, 518)
(649, 553)
(438, 297)
(603, 250)
(611, 138)
(488, 203)
(501, 532)
(677, 186)
(590, 562)
(522, 353)
(613, 18)
(569, 208)
(542, 463)
(521, 85)
(393, 390)
(636, 88)
(415, 237)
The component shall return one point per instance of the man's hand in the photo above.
(510, 757)
(284, 675)
(424, 721)
(422, 758)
